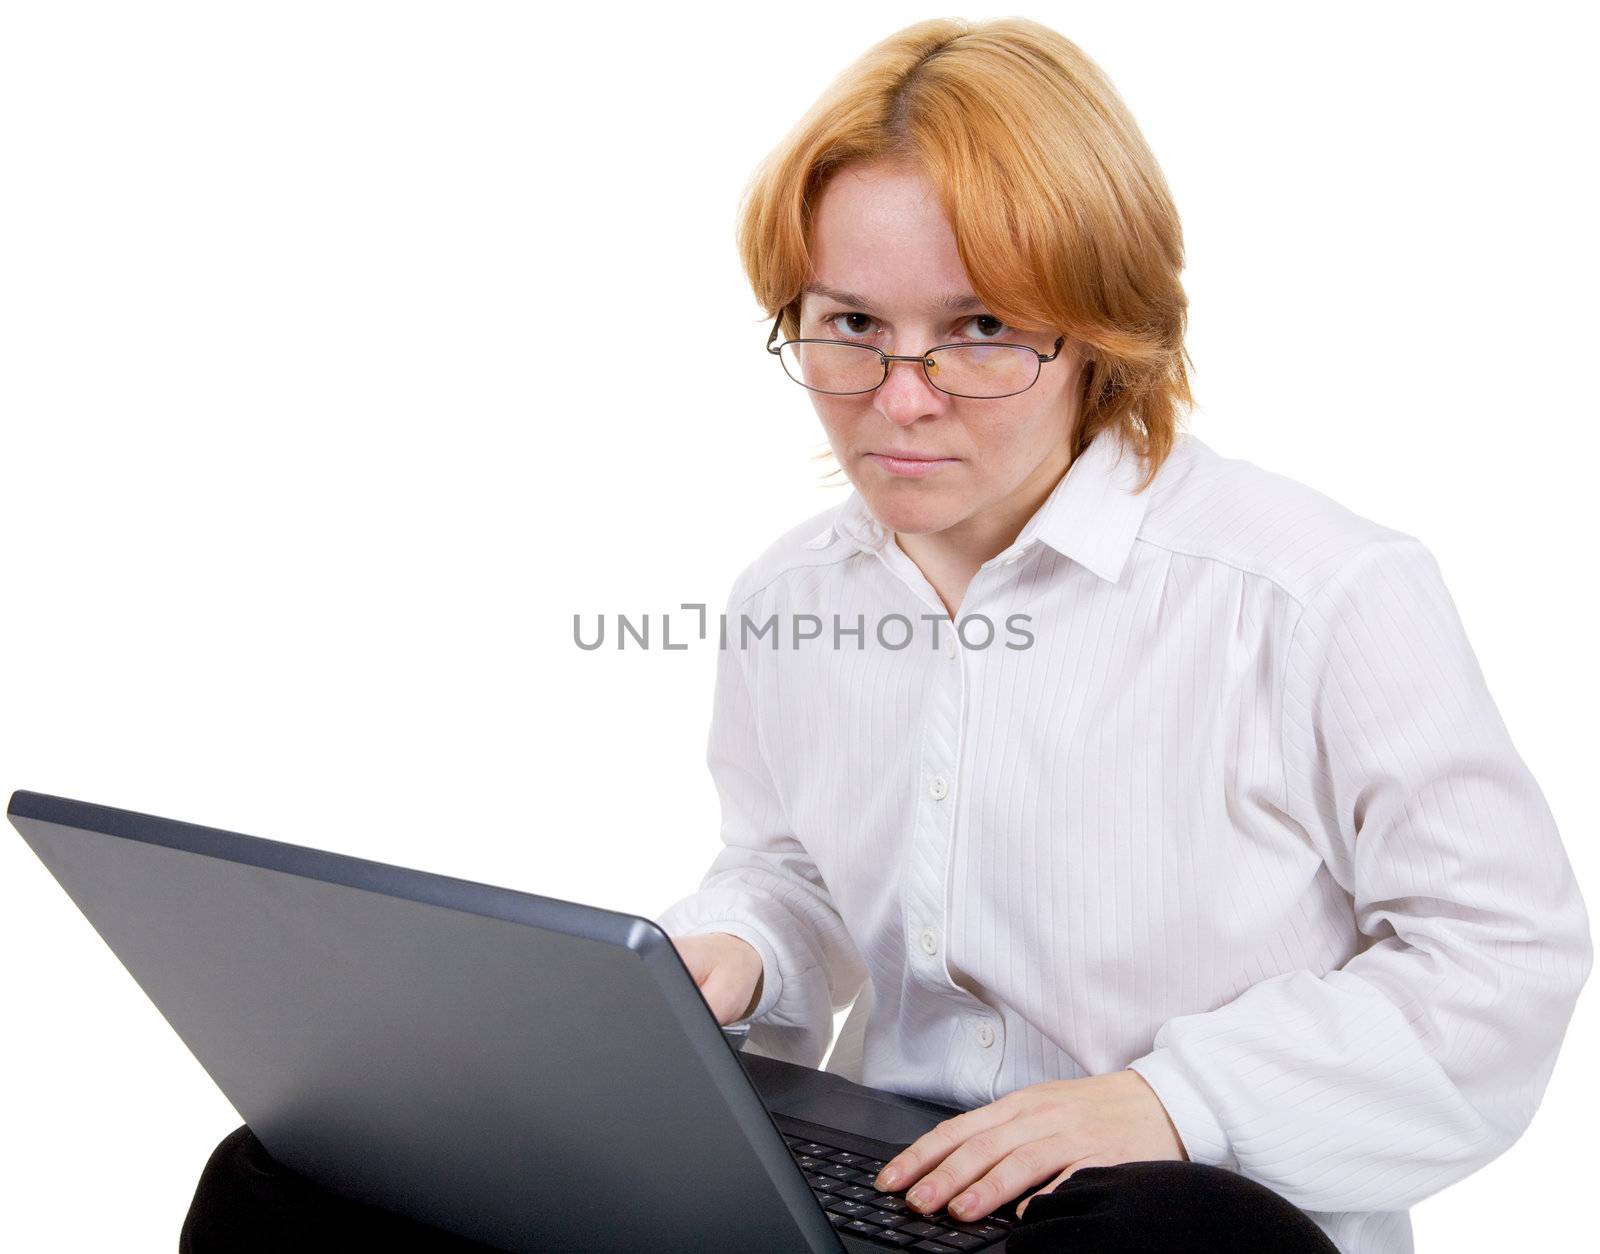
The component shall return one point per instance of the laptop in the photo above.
(526, 1072)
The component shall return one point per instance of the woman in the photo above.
(1226, 903)
(1145, 803)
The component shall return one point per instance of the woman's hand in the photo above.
(727, 971)
(988, 1156)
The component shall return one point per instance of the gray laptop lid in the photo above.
(528, 1072)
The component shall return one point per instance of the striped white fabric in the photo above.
(1242, 816)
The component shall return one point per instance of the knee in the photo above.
(1163, 1187)
(240, 1152)
(1178, 1179)
(1171, 1205)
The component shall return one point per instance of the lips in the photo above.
(910, 465)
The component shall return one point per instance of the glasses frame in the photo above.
(889, 359)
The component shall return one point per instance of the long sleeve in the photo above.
(1423, 1057)
(764, 887)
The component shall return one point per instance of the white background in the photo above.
(348, 351)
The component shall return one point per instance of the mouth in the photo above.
(912, 465)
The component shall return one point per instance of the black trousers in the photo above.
(246, 1203)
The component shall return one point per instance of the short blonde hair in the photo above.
(1061, 216)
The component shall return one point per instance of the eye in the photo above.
(832, 319)
(999, 326)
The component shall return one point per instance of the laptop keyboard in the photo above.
(842, 1182)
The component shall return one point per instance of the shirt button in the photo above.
(985, 1035)
(950, 645)
(1013, 559)
(929, 942)
(937, 788)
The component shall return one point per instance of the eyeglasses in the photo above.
(977, 371)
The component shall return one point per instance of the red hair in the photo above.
(1061, 216)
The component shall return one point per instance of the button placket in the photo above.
(925, 894)
(975, 1066)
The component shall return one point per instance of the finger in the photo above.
(980, 1153)
(1036, 1159)
(723, 992)
(1051, 1187)
(932, 1147)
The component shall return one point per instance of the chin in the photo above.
(914, 512)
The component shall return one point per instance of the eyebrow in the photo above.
(956, 302)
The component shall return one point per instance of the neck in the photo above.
(950, 558)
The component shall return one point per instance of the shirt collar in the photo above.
(1092, 515)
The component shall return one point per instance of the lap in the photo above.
(246, 1202)
(1173, 1207)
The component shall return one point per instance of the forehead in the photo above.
(880, 235)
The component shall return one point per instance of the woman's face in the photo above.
(884, 263)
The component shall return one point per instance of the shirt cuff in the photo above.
(771, 984)
(1203, 1137)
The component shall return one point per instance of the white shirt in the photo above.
(1242, 817)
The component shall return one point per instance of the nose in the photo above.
(906, 395)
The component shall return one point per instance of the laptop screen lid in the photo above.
(528, 1072)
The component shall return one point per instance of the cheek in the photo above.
(1040, 427)
(841, 420)
(1015, 435)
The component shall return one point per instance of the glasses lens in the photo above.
(984, 369)
(827, 367)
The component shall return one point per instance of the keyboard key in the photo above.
(980, 1229)
(880, 1236)
(842, 1182)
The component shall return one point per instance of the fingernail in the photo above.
(889, 1179)
(919, 1195)
(964, 1203)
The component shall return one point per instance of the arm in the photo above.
(1423, 1057)
(764, 888)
